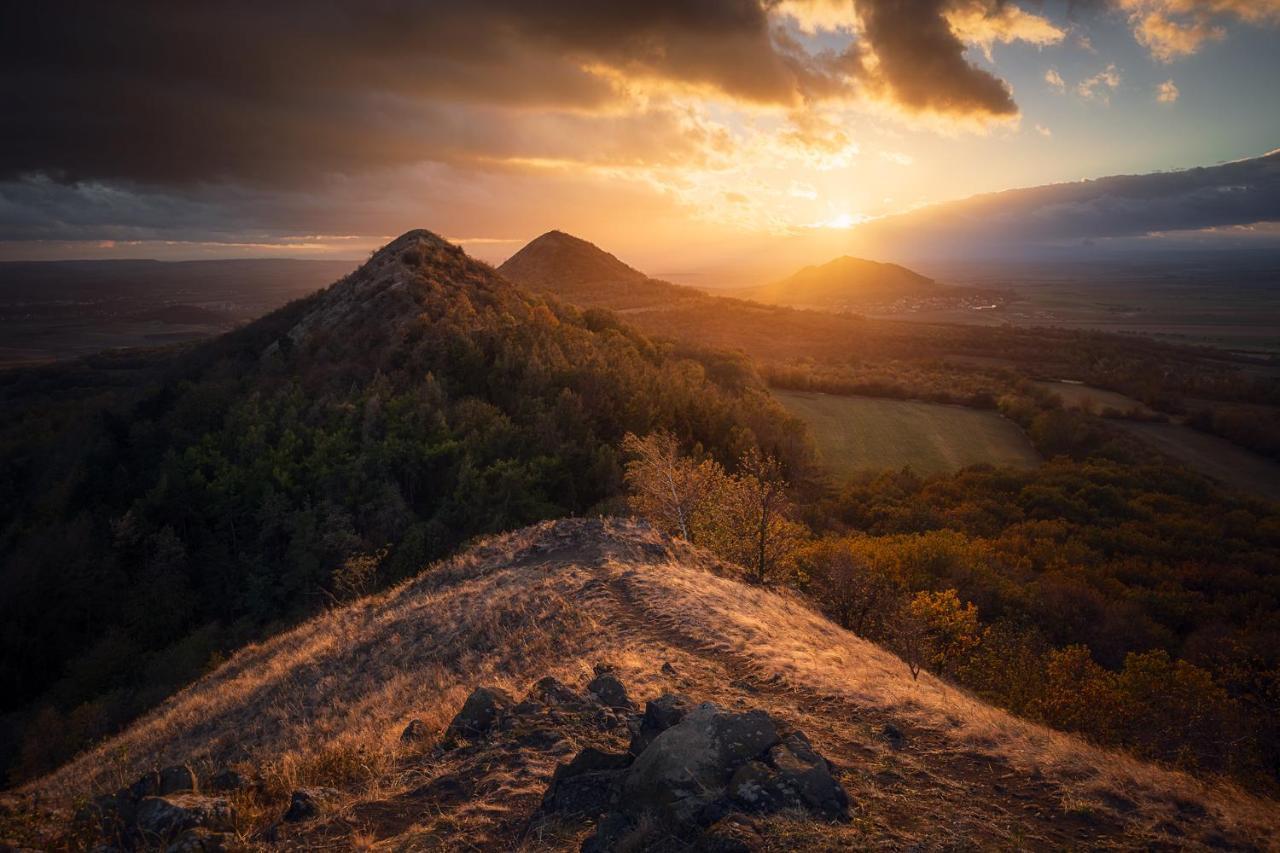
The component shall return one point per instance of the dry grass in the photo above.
(324, 704)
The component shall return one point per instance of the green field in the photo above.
(861, 433)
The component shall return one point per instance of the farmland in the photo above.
(861, 433)
(1214, 457)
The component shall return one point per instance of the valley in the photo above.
(860, 434)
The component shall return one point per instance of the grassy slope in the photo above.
(857, 433)
(1229, 464)
(324, 704)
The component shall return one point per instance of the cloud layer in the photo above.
(278, 93)
(1240, 193)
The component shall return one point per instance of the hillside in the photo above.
(325, 705)
(587, 276)
(845, 283)
(154, 519)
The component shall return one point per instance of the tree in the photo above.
(666, 487)
(752, 524)
(850, 584)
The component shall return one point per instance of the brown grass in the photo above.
(324, 704)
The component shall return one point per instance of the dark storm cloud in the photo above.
(276, 93)
(921, 61)
(272, 92)
(1238, 193)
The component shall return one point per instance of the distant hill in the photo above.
(587, 276)
(415, 403)
(844, 282)
(353, 711)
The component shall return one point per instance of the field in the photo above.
(860, 433)
(1076, 396)
(1214, 457)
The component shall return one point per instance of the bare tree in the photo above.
(666, 487)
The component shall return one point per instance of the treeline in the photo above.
(1106, 593)
(147, 531)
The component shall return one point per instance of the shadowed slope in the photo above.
(325, 703)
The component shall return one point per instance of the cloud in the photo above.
(985, 24)
(919, 61)
(281, 93)
(1239, 193)
(1167, 92)
(1100, 86)
(1055, 81)
(1044, 131)
(1172, 29)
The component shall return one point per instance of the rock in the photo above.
(416, 732)
(585, 785)
(609, 690)
(479, 712)
(308, 803)
(163, 818)
(893, 735)
(177, 779)
(668, 669)
(804, 779)
(555, 693)
(659, 715)
(612, 830)
(226, 780)
(689, 764)
(750, 787)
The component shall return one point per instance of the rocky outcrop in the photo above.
(160, 809)
(688, 768)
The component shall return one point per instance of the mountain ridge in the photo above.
(325, 705)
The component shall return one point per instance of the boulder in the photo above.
(309, 803)
(609, 691)
(586, 784)
(688, 765)
(803, 778)
(177, 779)
(659, 715)
(479, 713)
(164, 818)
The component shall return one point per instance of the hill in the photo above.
(585, 275)
(845, 283)
(155, 517)
(328, 709)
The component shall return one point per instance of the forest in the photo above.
(163, 512)
(1108, 592)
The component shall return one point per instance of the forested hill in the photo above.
(323, 451)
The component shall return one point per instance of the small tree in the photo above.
(666, 487)
(752, 524)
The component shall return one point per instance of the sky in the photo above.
(684, 136)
